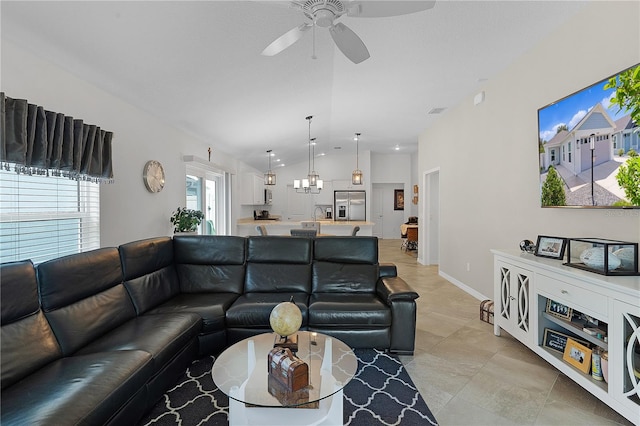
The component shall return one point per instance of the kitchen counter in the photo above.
(247, 226)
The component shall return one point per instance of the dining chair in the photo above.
(262, 230)
(355, 230)
(412, 239)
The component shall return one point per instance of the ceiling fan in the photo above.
(324, 13)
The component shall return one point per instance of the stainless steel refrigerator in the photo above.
(349, 205)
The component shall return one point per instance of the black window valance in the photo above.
(36, 141)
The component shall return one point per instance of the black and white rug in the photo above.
(381, 393)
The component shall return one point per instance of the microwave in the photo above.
(268, 196)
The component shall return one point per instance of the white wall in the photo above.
(128, 211)
(489, 190)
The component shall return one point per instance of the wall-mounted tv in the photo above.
(589, 143)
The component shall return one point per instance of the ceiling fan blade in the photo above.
(286, 40)
(379, 9)
(349, 43)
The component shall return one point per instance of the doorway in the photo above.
(430, 211)
(386, 220)
(206, 192)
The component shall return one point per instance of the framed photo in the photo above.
(559, 310)
(557, 341)
(577, 355)
(398, 199)
(552, 247)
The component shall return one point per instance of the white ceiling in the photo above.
(197, 65)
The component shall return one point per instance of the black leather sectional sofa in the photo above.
(97, 337)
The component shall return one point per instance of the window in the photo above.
(569, 145)
(44, 217)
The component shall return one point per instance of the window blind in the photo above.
(42, 217)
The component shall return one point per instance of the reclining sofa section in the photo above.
(97, 337)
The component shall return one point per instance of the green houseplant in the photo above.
(186, 220)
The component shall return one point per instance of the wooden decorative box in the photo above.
(287, 369)
(486, 311)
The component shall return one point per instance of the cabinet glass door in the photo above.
(631, 363)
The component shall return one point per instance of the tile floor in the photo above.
(468, 376)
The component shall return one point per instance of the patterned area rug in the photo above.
(381, 393)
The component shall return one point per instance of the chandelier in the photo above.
(269, 177)
(356, 176)
(312, 184)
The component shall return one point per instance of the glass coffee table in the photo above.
(241, 373)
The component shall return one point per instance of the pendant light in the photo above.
(356, 176)
(312, 184)
(269, 177)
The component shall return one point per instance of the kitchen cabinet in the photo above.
(252, 189)
(523, 286)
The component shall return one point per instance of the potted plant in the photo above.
(186, 220)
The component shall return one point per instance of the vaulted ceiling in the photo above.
(197, 65)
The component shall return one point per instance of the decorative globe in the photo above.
(285, 318)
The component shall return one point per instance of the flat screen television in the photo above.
(589, 145)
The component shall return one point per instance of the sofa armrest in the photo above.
(388, 270)
(392, 289)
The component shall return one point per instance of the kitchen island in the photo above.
(247, 227)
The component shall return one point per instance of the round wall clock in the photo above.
(153, 176)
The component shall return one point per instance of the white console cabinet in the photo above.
(524, 284)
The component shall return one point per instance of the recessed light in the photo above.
(397, 148)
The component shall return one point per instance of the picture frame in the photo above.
(557, 341)
(577, 355)
(552, 247)
(398, 199)
(559, 310)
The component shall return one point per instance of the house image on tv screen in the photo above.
(584, 143)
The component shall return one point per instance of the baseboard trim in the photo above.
(463, 286)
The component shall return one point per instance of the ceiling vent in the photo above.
(436, 110)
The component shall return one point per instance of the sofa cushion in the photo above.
(78, 390)
(277, 278)
(163, 336)
(346, 249)
(210, 307)
(145, 256)
(279, 249)
(19, 291)
(78, 324)
(348, 311)
(278, 264)
(332, 277)
(252, 310)
(149, 273)
(67, 279)
(26, 340)
(83, 297)
(210, 263)
(345, 265)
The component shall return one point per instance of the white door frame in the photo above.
(429, 225)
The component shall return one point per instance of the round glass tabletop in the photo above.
(241, 371)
